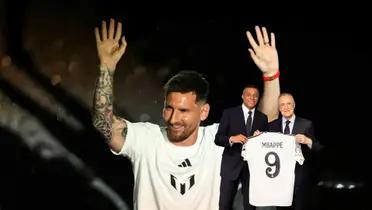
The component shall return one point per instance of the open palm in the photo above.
(108, 44)
(263, 52)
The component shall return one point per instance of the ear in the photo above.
(204, 111)
(163, 112)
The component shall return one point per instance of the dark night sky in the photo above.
(323, 51)
(324, 56)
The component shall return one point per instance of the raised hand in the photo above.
(264, 53)
(109, 47)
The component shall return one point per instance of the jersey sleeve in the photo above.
(140, 136)
(299, 157)
(243, 153)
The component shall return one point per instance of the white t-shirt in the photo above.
(271, 160)
(170, 177)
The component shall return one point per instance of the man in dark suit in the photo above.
(236, 125)
(303, 130)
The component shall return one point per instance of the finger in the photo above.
(118, 31)
(300, 140)
(96, 33)
(259, 35)
(251, 40)
(272, 39)
(123, 45)
(265, 36)
(104, 30)
(111, 29)
(253, 56)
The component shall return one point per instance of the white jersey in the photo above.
(170, 177)
(271, 160)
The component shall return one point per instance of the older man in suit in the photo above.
(302, 128)
(236, 125)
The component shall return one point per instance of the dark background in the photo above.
(324, 58)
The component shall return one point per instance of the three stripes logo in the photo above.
(182, 187)
(185, 163)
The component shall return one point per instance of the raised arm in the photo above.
(265, 56)
(110, 47)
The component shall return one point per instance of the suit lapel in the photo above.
(277, 125)
(241, 117)
(280, 123)
(296, 126)
(255, 121)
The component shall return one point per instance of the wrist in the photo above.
(272, 76)
(309, 141)
(106, 67)
(230, 141)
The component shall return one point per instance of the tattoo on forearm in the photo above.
(125, 131)
(103, 104)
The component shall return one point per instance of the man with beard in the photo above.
(176, 166)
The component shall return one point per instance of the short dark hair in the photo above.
(252, 86)
(188, 81)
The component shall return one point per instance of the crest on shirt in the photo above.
(182, 186)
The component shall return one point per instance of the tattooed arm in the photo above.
(110, 51)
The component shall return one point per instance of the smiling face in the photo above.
(286, 105)
(250, 97)
(182, 115)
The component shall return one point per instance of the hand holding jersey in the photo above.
(271, 159)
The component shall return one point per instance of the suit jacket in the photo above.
(304, 177)
(233, 123)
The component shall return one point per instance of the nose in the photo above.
(252, 97)
(174, 118)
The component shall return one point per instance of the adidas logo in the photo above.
(185, 163)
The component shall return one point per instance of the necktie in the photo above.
(286, 129)
(248, 124)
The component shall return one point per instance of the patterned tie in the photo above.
(286, 129)
(248, 125)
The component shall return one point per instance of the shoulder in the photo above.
(275, 125)
(303, 120)
(210, 129)
(275, 122)
(143, 126)
(260, 114)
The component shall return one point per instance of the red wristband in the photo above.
(276, 75)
